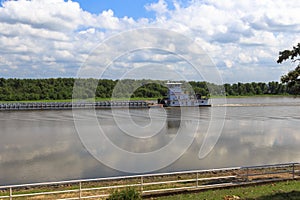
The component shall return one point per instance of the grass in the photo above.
(89, 100)
(143, 99)
(287, 190)
(279, 190)
(38, 101)
(253, 96)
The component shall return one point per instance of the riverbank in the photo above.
(63, 88)
(165, 184)
(87, 100)
(142, 99)
(286, 190)
(117, 103)
(256, 96)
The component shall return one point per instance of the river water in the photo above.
(38, 146)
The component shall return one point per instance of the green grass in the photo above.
(38, 101)
(89, 100)
(287, 190)
(253, 96)
(139, 99)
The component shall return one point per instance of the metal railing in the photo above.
(149, 184)
(264, 172)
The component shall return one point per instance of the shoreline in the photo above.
(135, 103)
(142, 99)
(151, 185)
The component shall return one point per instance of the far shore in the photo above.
(142, 99)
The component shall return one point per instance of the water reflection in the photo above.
(44, 146)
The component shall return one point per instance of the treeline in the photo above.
(249, 89)
(62, 88)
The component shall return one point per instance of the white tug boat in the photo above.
(176, 97)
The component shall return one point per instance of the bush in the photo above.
(126, 194)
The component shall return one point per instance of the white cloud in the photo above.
(228, 63)
(108, 21)
(88, 31)
(5, 64)
(54, 15)
(160, 7)
(237, 35)
(244, 58)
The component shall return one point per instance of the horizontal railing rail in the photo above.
(155, 183)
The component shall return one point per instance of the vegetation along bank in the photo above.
(62, 88)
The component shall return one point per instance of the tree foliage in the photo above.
(62, 88)
(292, 78)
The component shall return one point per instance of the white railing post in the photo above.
(293, 170)
(80, 190)
(197, 184)
(142, 181)
(10, 193)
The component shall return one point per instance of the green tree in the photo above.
(292, 78)
(250, 89)
(241, 89)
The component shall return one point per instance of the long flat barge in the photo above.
(72, 105)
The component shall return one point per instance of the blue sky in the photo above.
(133, 8)
(54, 38)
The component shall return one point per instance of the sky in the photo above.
(56, 38)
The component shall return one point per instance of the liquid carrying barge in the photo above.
(70, 105)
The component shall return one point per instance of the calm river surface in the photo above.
(38, 146)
